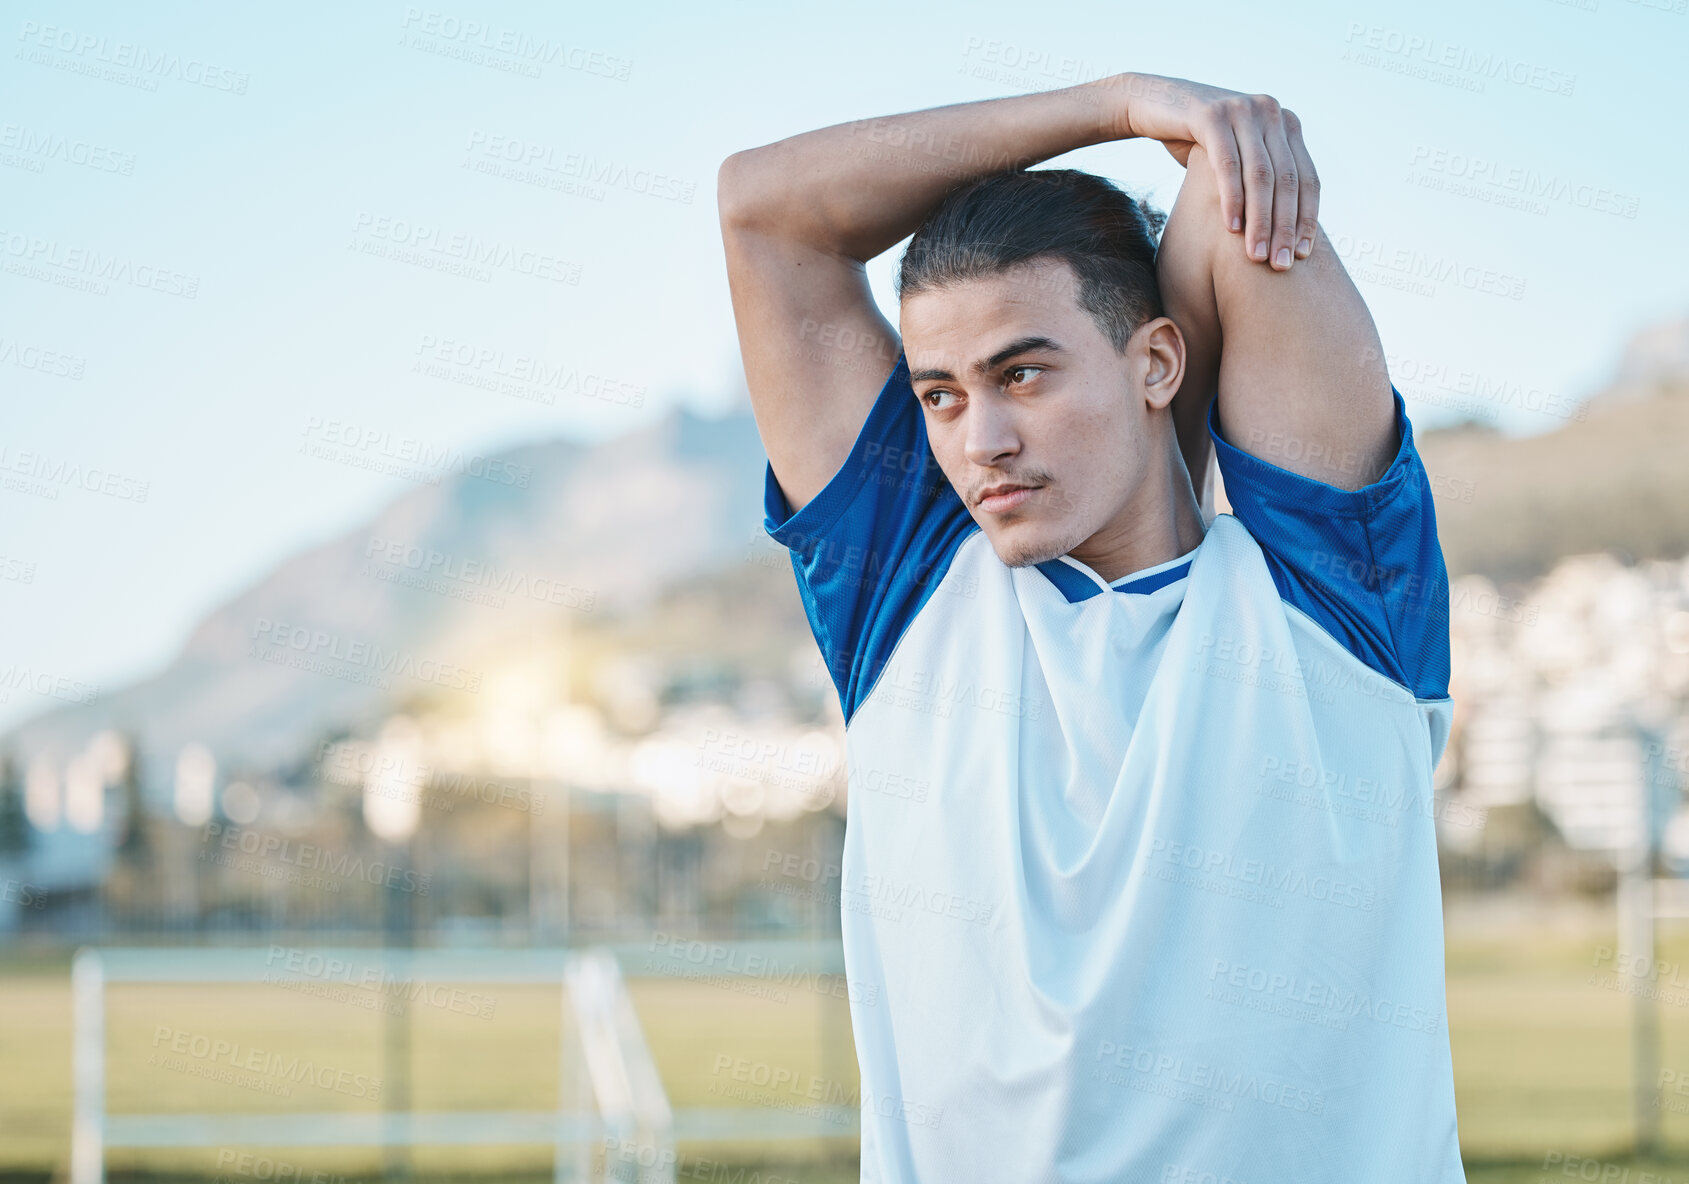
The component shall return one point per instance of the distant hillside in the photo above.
(1619, 481)
(443, 576)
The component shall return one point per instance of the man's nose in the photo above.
(991, 434)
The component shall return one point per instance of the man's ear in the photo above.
(1158, 353)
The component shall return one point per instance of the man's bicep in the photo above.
(1302, 382)
(816, 352)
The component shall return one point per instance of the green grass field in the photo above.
(1541, 1052)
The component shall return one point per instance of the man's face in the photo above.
(1020, 388)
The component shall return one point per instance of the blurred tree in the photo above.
(14, 823)
(132, 895)
(134, 845)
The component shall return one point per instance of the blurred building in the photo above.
(1572, 722)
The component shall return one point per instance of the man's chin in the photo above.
(1023, 548)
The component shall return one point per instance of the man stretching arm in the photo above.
(1139, 879)
(801, 216)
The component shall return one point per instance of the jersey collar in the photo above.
(1078, 581)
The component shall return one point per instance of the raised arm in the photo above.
(801, 217)
(1301, 381)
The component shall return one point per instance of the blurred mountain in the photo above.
(648, 551)
(1618, 481)
(444, 575)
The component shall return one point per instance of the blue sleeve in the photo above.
(871, 547)
(1363, 563)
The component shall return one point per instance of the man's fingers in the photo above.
(1286, 189)
(1227, 163)
(1257, 192)
(1308, 181)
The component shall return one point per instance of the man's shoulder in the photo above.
(1388, 611)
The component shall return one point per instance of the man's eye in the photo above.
(1014, 370)
(931, 398)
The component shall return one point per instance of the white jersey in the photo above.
(1145, 872)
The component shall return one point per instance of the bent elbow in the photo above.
(741, 194)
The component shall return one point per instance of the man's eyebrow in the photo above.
(1020, 345)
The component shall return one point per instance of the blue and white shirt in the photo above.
(1146, 871)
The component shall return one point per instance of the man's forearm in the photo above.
(858, 188)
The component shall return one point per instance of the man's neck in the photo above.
(1161, 522)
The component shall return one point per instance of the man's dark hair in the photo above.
(1000, 222)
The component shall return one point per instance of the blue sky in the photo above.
(274, 164)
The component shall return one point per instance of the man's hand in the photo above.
(1269, 192)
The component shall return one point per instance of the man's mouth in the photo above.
(998, 499)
